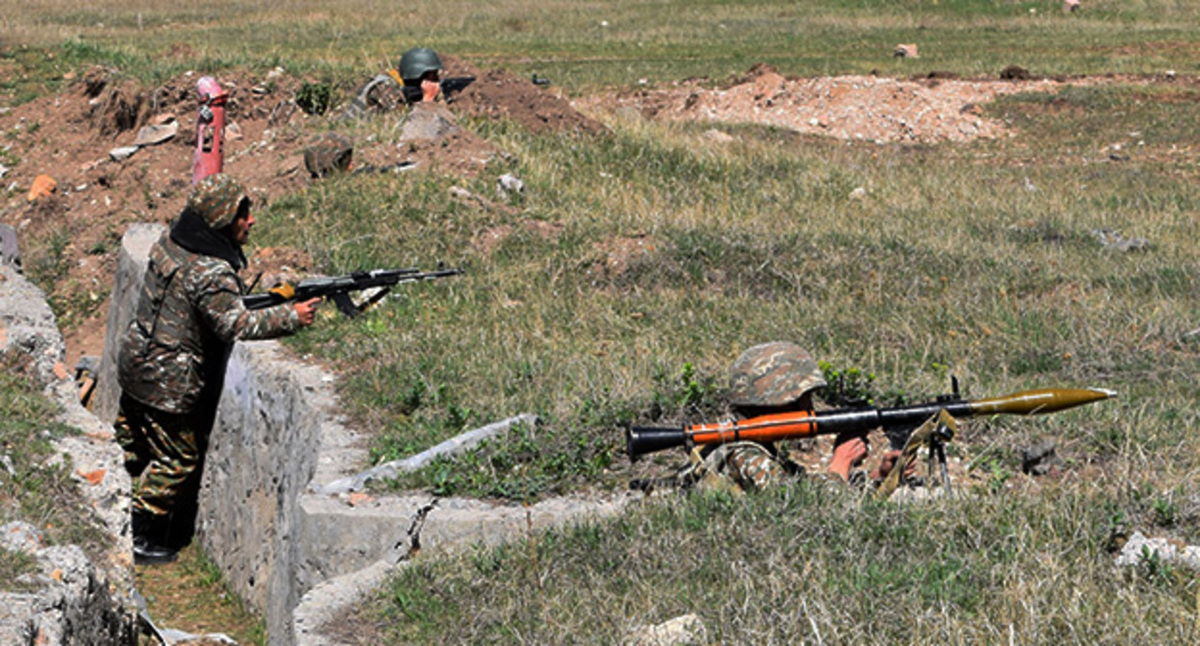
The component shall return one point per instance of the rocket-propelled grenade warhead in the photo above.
(1036, 402)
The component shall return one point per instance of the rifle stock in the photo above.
(640, 440)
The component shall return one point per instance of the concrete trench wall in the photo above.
(74, 600)
(277, 513)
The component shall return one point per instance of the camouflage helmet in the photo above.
(217, 199)
(328, 153)
(773, 374)
(416, 62)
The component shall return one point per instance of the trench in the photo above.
(278, 510)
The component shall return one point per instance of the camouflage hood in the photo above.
(211, 207)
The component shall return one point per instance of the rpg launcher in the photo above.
(338, 288)
(898, 422)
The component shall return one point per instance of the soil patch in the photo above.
(931, 109)
(499, 94)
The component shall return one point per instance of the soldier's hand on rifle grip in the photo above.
(848, 452)
(307, 311)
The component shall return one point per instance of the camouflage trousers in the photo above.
(163, 453)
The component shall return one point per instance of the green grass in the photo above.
(35, 488)
(589, 44)
(949, 265)
(805, 564)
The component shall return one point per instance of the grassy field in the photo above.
(982, 260)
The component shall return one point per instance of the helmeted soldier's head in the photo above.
(775, 375)
(328, 153)
(416, 63)
(218, 199)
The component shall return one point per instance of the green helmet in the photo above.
(416, 62)
(217, 199)
(773, 374)
(328, 153)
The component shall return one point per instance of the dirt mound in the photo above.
(499, 94)
(928, 110)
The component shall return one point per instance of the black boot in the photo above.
(149, 538)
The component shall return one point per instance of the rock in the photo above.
(9, 251)
(1070, 6)
(685, 629)
(43, 185)
(508, 185)
(1115, 242)
(1015, 73)
(122, 153)
(427, 121)
(906, 51)
(1136, 549)
(1039, 459)
(718, 136)
(153, 135)
(19, 536)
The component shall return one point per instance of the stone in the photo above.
(1167, 550)
(508, 185)
(1039, 459)
(43, 185)
(906, 51)
(427, 122)
(19, 536)
(122, 153)
(1114, 241)
(10, 252)
(719, 136)
(685, 629)
(154, 135)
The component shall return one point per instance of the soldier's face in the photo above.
(240, 227)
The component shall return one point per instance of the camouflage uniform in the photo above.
(173, 355)
(767, 378)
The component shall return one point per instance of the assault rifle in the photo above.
(338, 288)
(898, 422)
(450, 87)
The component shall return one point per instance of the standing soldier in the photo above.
(172, 358)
